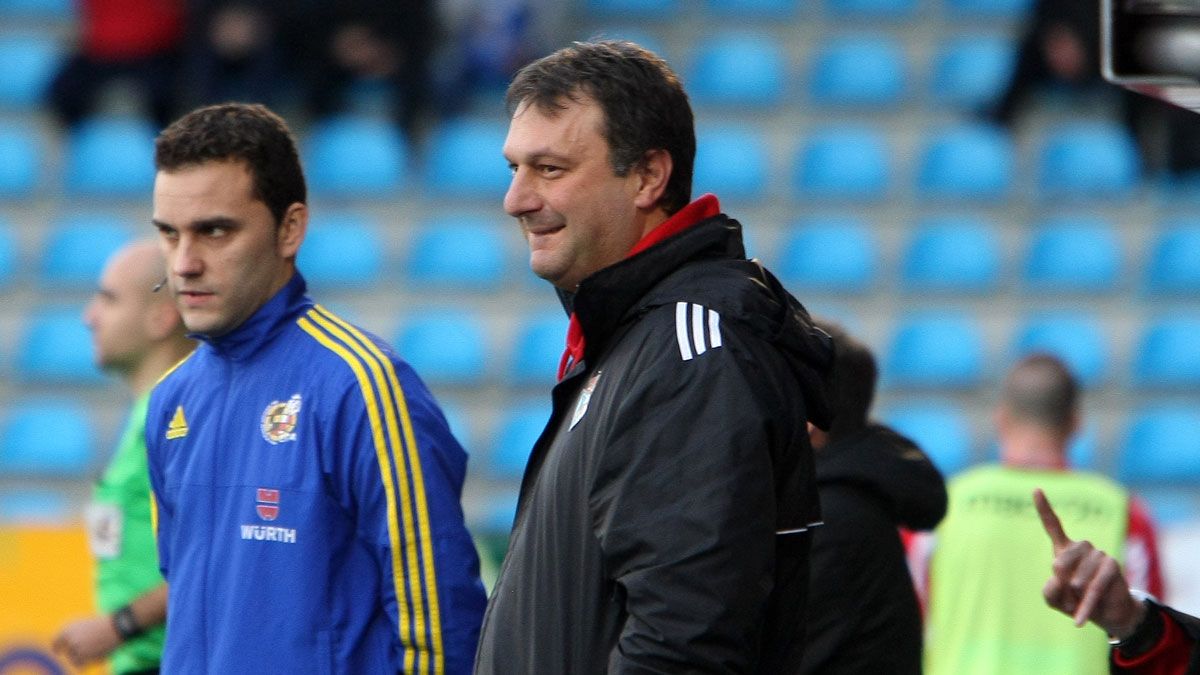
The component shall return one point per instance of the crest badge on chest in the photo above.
(279, 420)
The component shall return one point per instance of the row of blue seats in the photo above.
(828, 253)
(360, 157)
(869, 70)
(54, 437)
(926, 349)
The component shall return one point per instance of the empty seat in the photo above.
(949, 253)
(1161, 446)
(858, 70)
(342, 250)
(737, 69)
(77, 247)
(975, 161)
(20, 160)
(462, 252)
(829, 253)
(47, 437)
(446, 347)
(111, 157)
(55, 347)
(1087, 159)
(751, 9)
(9, 254)
(50, 10)
(518, 429)
(537, 348)
(846, 162)
(1074, 337)
(941, 430)
(971, 71)
(353, 156)
(990, 9)
(1174, 263)
(631, 9)
(1168, 353)
(465, 159)
(30, 62)
(872, 8)
(731, 161)
(935, 350)
(1073, 254)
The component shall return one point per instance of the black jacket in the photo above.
(863, 612)
(662, 520)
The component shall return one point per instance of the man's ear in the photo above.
(654, 171)
(292, 230)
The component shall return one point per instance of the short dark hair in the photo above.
(644, 104)
(1041, 389)
(854, 376)
(243, 132)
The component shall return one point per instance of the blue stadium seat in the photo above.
(537, 348)
(971, 71)
(1073, 255)
(446, 347)
(1174, 263)
(1074, 337)
(949, 253)
(731, 161)
(47, 10)
(858, 70)
(751, 9)
(32, 506)
(990, 9)
(343, 250)
(465, 159)
(1168, 353)
(940, 429)
(872, 8)
(77, 247)
(642, 35)
(458, 252)
(459, 422)
(48, 438)
(943, 350)
(56, 348)
(1161, 446)
(20, 160)
(10, 256)
(30, 62)
(967, 162)
(829, 253)
(843, 162)
(518, 429)
(354, 156)
(111, 157)
(633, 9)
(743, 69)
(1089, 159)
(498, 513)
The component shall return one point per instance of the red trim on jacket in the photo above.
(1169, 656)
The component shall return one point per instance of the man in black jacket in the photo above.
(864, 616)
(662, 524)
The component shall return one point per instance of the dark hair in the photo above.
(854, 375)
(242, 132)
(644, 104)
(1041, 389)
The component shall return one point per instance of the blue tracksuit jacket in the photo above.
(307, 490)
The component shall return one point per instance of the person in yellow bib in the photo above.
(986, 563)
(137, 335)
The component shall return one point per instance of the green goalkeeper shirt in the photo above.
(122, 540)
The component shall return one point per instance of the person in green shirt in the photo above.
(137, 335)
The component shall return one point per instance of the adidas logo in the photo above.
(178, 427)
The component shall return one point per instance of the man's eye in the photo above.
(549, 169)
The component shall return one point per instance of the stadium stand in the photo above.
(836, 253)
(457, 252)
(858, 70)
(77, 246)
(731, 161)
(935, 349)
(753, 9)
(1168, 353)
(971, 71)
(843, 163)
(1088, 159)
(858, 9)
(951, 254)
(111, 157)
(30, 61)
(20, 161)
(536, 349)
(1074, 337)
(9, 255)
(1174, 262)
(1161, 446)
(352, 156)
(941, 430)
(56, 348)
(446, 346)
(743, 69)
(462, 160)
(967, 162)
(342, 250)
(49, 438)
(519, 427)
(1073, 255)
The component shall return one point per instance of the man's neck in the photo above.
(156, 363)
(1033, 449)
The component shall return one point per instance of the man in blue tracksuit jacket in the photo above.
(307, 485)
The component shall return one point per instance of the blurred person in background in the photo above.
(307, 483)
(134, 41)
(986, 562)
(234, 52)
(863, 613)
(137, 335)
(1146, 637)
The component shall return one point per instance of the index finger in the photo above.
(1050, 521)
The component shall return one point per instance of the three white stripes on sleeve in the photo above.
(697, 329)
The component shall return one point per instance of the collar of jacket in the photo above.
(243, 341)
(604, 299)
